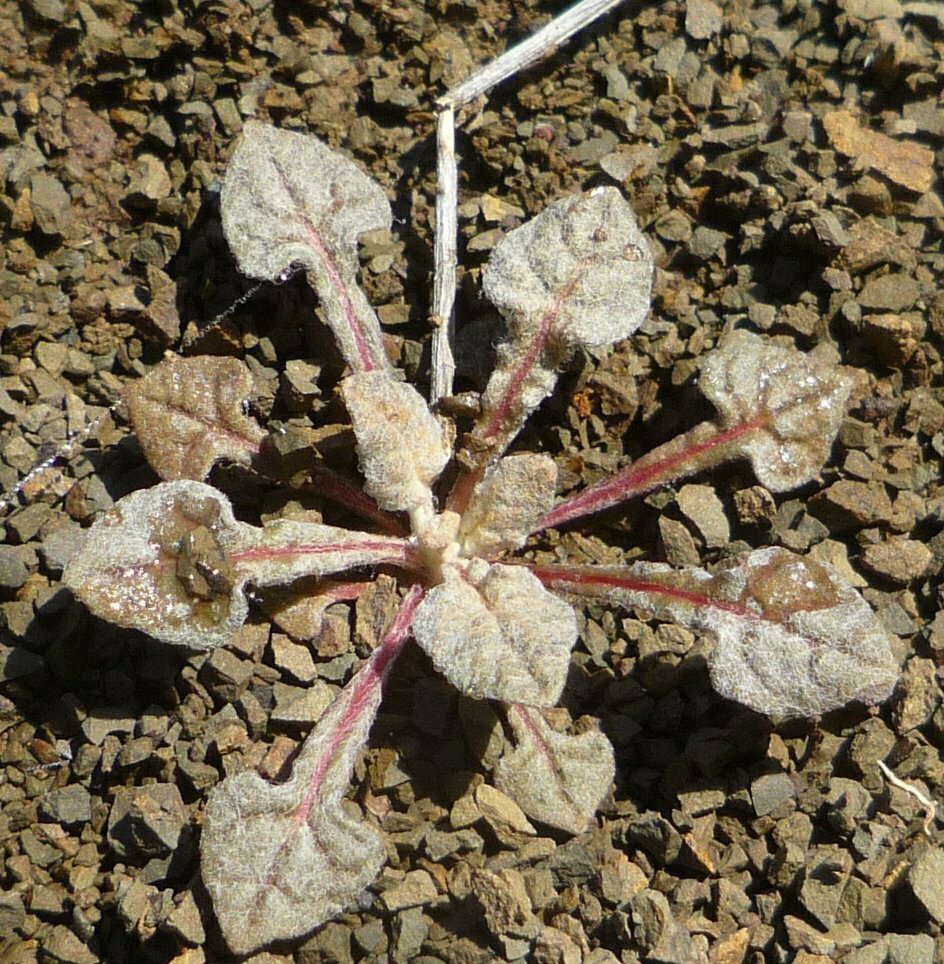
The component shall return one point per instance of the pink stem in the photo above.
(361, 692)
(704, 446)
(383, 553)
(335, 487)
(546, 326)
(337, 282)
(587, 581)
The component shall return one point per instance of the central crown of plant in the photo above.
(791, 636)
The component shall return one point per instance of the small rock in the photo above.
(898, 560)
(894, 338)
(703, 19)
(63, 945)
(771, 791)
(148, 820)
(184, 921)
(104, 720)
(410, 930)
(903, 162)
(926, 880)
(701, 505)
(658, 933)
(416, 889)
(12, 912)
(911, 949)
(890, 292)
(918, 695)
(51, 205)
(848, 504)
(292, 658)
(301, 704)
(504, 901)
(67, 805)
(225, 675)
(500, 810)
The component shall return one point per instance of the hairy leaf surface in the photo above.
(557, 778)
(290, 201)
(280, 859)
(400, 444)
(502, 637)
(173, 562)
(507, 503)
(793, 638)
(795, 402)
(188, 413)
(579, 274)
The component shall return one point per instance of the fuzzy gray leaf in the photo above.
(288, 201)
(557, 778)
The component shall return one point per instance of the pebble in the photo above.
(926, 881)
(147, 820)
(770, 792)
(67, 806)
(904, 162)
(703, 19)
(899, 560)
(701, 505)
(416, 889)
(51, 205)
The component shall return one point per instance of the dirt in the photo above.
(784, 160)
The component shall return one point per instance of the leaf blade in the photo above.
(188, 414)
(793, 638)
(279, 860)
(557, 778)
(289, 200)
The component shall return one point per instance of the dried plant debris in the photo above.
(791, 637)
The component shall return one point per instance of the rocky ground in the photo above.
(784, 159)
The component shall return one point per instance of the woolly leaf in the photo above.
(557, 778)
(507, 504)
(289, 201)
(171, 561)
(188, 413)
(793, 638)
(779, 407)
(793, 403)
(400, 444)
(500, 636)
(280, 859)
(579, 274)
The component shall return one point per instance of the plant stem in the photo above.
(703, 447)
(361, 694)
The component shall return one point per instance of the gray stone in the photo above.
(63, 945)
(703, 19)
(701, 505)
(13, 567)
(225, 675)
(890, 292)
(926, 880)
(770, 792)
(51, 205)
(416, 888)
(911, 949)
(67, 806)
(898, 560)
(104, 720)
(659, 934)
(147, 821)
